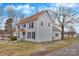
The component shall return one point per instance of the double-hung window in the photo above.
(29, 35)
(31, 25)
(33, 35)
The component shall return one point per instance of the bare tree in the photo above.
(14, 14)
(8, 25)
(10, 12)
(64, 16)
(12, 20)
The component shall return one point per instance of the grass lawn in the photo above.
(27, 48)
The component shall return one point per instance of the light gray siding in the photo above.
(44, 31)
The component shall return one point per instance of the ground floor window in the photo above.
(56, 34)
(31, 35)
(23, 33)
(52, 38)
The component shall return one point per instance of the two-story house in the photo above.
(37, 28)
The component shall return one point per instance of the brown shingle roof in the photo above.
(22, 30)
(31, 18)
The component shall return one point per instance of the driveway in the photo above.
(72, 50)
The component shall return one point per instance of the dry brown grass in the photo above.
(27, 48)
(18, 48)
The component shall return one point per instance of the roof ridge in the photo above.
(30, 18)
(33, 17)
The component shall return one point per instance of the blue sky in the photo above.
(29, 9)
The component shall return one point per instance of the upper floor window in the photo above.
(31, 25)
(24, 25)
(41, 23)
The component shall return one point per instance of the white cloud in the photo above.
(19, 7)
(28, 9)
(25, 9)
(27, 6)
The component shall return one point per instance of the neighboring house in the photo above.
(70, 34)
(37, 28)
(4, 35)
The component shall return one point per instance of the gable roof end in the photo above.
(29, 19)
